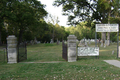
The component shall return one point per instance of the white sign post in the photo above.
(109, 28)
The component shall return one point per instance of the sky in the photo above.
(55, 11)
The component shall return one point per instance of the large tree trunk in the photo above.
(53, 35)
(103, 38)
(108, 39)
(20, 36)
(108, 34)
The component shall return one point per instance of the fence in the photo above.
(22, 51)
(3, 55)
(64, 51)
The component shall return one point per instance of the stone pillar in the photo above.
(71, 48)
(12, 49)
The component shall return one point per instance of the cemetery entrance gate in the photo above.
(64, 50)
(22, 51)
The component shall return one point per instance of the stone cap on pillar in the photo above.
(71, 37)
(11, 37)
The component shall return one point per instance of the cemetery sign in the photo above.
(88, 51)
(107, 27)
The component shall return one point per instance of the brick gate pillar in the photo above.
(12, 49)
(71, 48)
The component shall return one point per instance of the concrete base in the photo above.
(73, 59)
(11, 62)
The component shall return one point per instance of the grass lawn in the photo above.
(85, 68)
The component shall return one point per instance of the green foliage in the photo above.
(25, 20)
(22, 16)
(75, 9)
(83, 29)
(59, 32)
(82, 10)
(115, 20)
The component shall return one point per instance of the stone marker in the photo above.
(12, 49)
(89, 41)
(35, 40)
(86, 45)
(113, 52)
(80, 43)
(71, 48)
(51, 41)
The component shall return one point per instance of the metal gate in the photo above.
(3, 55)
(22, 51)
(64, 51)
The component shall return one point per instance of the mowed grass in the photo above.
(44, 52)
(85, 68)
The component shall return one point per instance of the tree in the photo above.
(115, 17)
(4, 13)
(82, 30)
(112, 8)
(59, 32)
(75, 9)
(26, 15)
(54, 20)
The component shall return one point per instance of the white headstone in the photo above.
(51, 41)
(89, 41)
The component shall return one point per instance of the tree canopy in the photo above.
(82, 10)
(21, 15)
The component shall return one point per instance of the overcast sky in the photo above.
(55, 11)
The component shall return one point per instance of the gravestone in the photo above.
(113, 52)
(12, 49)
(31, 42)
(51, 41)
(71, 48)
(86, 45)
(38, 42)
(81, 43)
(89, 41)
(35, 40)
